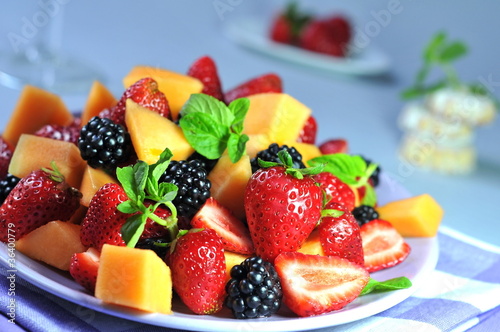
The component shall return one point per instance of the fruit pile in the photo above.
(221, 197)
(329, 35)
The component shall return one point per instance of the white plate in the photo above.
(253, 34)
(421, 261)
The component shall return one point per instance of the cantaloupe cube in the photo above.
(277, 115)
(34, 152)
(99, 98)
(233, 259)
(93, 179)
(176, 87)
(151, 133)
(53, 243)
(312, 246)
(229, 182)
(135, 278)
(35, 108)
(308, 151)
(256, 143)
(418, 216)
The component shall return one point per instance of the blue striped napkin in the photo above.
(462, 294)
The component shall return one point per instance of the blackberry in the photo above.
(104, 144)
(364, 214)
(207, 164)
(6, 185)
(159, 246)
(194, 188)
(271, 154)
(375, 177)
(254, 289)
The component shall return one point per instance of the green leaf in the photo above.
(412, 93)
(205, 135)
(370, 197)
(167, 192)
(332, 213)
(158, 168)
(422, 74)
(126, 177)
(346, 167)
(382, 286)
(205, 104)
(141, 172)
(433, 48)
(239, 108)
(128, 207)
(236, 146)
(452, 52)
(132, 229)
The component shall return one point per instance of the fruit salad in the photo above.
(221, 197)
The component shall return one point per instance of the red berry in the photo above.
(338, 145)
(261, 84)
(6, 151)
(336, 190)
(205, 70)
(69, 133)
(83, 268)
(309, 131)
(281, 30)
(199, 270)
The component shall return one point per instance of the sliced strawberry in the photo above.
(83, 268)
(337, 145)
(383, 246)
(205, 70)
(261, 84)
(336, 190)
(314, 284)
(340, 236)
(235, 235)
(309, 131)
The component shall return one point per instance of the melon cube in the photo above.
(277, 115)
(98, 99)
(151, 133)
(34, 152)
(176, 87)
(257, 143)
(53, 243)
(418, 216)
(135, 278)
(93, 179)
(232, 259)
(35, 108)
(229, 181)
(312, 246)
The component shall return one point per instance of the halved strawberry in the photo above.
(235, 235)
(335, 145)
(309, 131)
(383, 246)
(314, 284)
(261, 84)
(83, 268)
(205, 70)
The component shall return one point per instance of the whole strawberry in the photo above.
(336, 190)
(205, 70)
(144, 92)
(339, 234)
(199, 270)
(40, 197)
(282, 206)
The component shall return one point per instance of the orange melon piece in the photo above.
(233, 259)
(34, 152)
(312, 246)
(35, 108)
(151, 133)
(256, 143)
(135, 278)
(99, 98)
(277, 115)
(229, 182)
(93, 179)
(176, 87)
(418, 216)
(53, 243)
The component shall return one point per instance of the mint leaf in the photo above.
(167, 192)
(203, 103)
(205, 135)
(236, 146)
(433, 48)
(239, 108)
(382, 286)
(370, 197)
(332, 213)
(158, 168)
(346, 167)
(128, 207)
(452, 52)
(132, 229)
(126, 177)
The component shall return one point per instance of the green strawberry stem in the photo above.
(54, 173)
(287, 162)
(331, 213)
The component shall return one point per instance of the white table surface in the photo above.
(116, 35)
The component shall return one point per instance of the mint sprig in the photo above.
(211, 127)
(374, 286)
(350, 169)
(141, 182)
